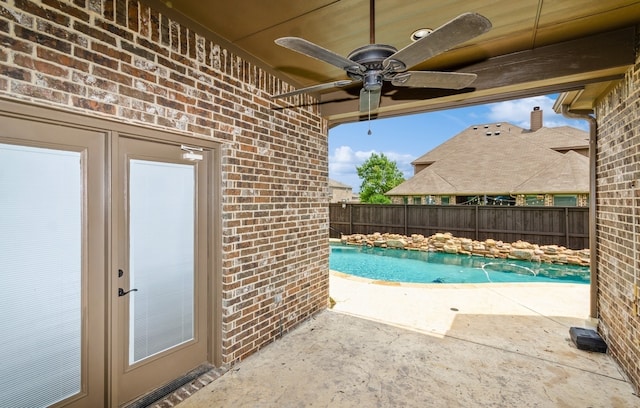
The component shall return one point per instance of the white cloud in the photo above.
(518, 112)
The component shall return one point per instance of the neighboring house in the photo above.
(339, 192)
(503, 164)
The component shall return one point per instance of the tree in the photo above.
(378, 175)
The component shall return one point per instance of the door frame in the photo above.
(121, 370)
(112, 130)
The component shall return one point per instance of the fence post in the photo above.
(477, 226)
(350, 219)
(566, 227)
(406, 221)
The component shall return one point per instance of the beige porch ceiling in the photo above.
(534, 47)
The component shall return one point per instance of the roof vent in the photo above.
(498, 124)
(475, 128)
(489, 133)
(497, 132)
(486, 126)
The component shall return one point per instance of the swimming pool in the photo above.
(437, 267)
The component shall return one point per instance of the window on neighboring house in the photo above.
(500, 200)
(534, 199)
(417, 200)
(405, 200)
(444, 200)
(430, 200)
(565, 200)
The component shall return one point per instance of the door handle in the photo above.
(121, 292)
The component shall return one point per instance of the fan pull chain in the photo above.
(369, 119)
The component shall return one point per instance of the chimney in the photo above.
(536, 119)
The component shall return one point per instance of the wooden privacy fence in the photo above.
(566, 226)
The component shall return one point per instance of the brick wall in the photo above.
(122, 60)
(618, 214)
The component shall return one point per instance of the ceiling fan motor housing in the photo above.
(371, 57)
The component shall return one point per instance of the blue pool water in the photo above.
(437, 267)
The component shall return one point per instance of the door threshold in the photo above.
(200, 377)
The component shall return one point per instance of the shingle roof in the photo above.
(337, 184)
(495, 159)
(427, 177)
(468, 136)
(569, 174)
(559, 138)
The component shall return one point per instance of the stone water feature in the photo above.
(446, 242)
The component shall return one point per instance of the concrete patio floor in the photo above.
(382, 345)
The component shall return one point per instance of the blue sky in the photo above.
(404, 139)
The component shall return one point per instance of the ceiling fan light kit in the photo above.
(420, 33)
(373, 64)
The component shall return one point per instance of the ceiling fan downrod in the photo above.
(372, 21)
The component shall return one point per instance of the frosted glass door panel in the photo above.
(40, 275)
(161, 258)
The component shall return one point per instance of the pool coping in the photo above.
(445, 285)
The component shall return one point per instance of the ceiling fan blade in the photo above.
(316, 88)
(315, 51)
(434, 79)
(462, 28)
(369, 100)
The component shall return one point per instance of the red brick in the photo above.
(138, 73)
(61, 59)
(132, 14)
(15, 73)
(121, 13)
(37, 92)
(40, 66)
(16, 16)
(44, 13)
(111, 52)
(112, 75)
(114, 29)
(96, 58)
(42, 39)
(67, 9)
(109, 9)
(93, 105)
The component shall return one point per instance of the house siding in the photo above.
(618, 220)
(122, 60)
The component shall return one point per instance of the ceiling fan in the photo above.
(373, 64)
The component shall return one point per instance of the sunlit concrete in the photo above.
(382, 345)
